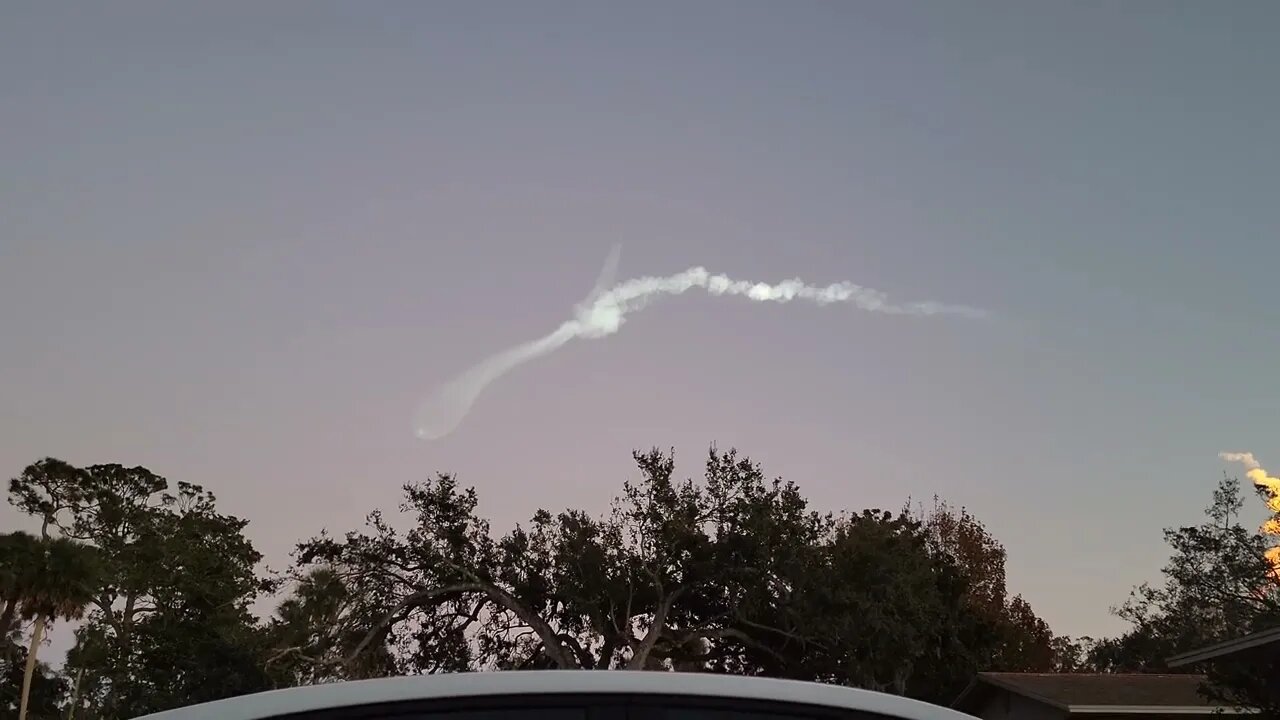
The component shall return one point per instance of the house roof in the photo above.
(1085, 692)
(1230, 647)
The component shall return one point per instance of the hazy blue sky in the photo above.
(240, 241)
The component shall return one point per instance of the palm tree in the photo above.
(64, 583)
(19, 554)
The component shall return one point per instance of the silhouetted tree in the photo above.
(1218, 585)
(731, 574)
(59, 585)
(168, 621)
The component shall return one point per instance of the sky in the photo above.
(240, 242)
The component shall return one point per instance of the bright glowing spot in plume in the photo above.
(605, 310)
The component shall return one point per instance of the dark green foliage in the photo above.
(20, 558)
(732, 573)
(48, 689)
(169, 613)
(1218, 586)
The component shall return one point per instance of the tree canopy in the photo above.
(733, 573)
(170, 610)
(729, 572)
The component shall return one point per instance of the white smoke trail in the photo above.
(1244, 458)
(604, 312)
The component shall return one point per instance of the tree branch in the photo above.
(550, 639)
(655, 631)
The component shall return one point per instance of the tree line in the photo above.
(732, 573)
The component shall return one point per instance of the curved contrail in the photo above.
(604, 310)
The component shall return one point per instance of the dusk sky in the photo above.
(241, 241)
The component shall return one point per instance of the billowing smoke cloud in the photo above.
(606, 309)
(1269, 485)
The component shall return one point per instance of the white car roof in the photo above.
(545, 682)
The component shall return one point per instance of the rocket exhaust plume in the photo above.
(604, 311)
(1269, 486)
